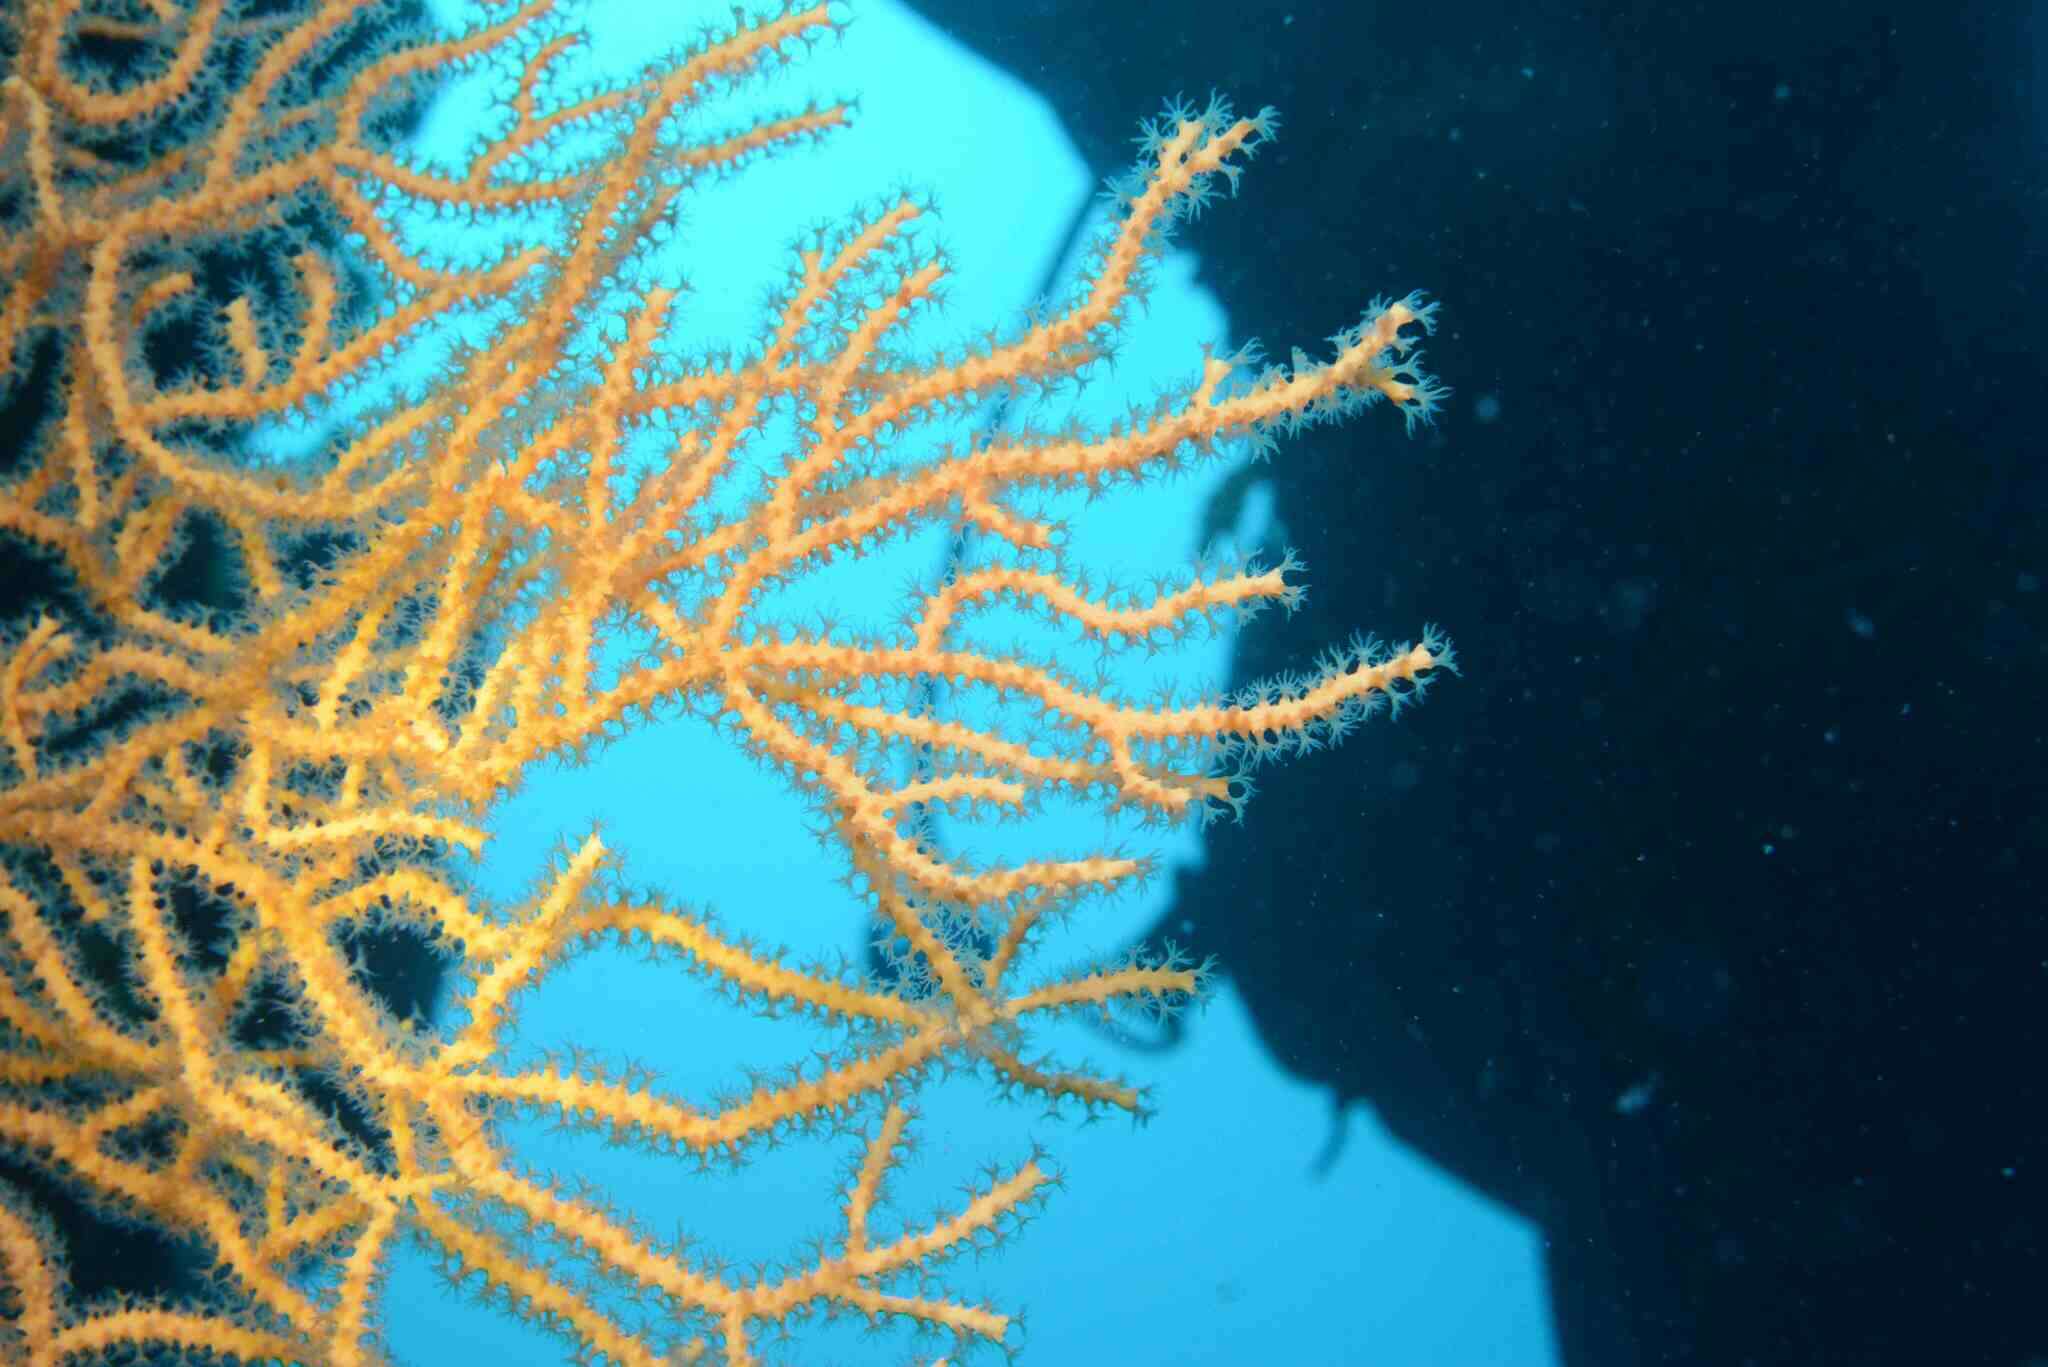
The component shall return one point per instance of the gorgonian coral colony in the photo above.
(254, 703)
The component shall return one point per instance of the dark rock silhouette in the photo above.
(1701, 921)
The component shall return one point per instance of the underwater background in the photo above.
(1667, 989)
